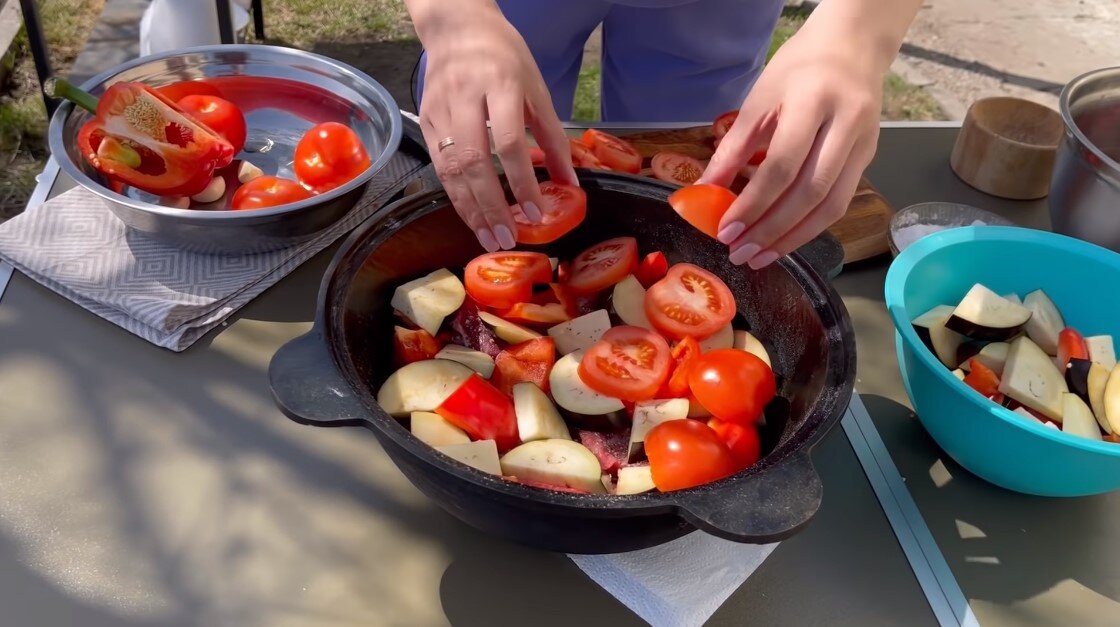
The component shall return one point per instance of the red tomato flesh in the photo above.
(503, 279)
(732, 384)
(564, 208)
(533, 314)
(413, 345)
(221, 116)
(652, 269)
(686, 453)
(582, 156)
(689, 301)
(723, 124)
(483, 411)
(528, 361)
(982, 378)
(1071, 345)
(685, 354)
(267, 191)
(741, 440)
(615, 153)
(629, 363)
(676, 168)
(603, 265)
(329, 155)
(702, 206)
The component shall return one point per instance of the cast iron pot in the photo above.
(330, 377)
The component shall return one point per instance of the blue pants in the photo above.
(663, 60)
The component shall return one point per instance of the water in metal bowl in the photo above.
(282, 92)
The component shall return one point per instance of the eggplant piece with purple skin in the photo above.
(943, 342)
(984, 315)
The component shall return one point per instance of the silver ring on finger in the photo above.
(446, 142)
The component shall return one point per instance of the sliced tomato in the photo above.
(503, 279)
(564, 208)
(702, 206)
(685, 354)
(723, 124)
(483, 411)
(689, 301)
(982, 378)
(674, 167)
(536, 155)
(533, 314)
(1071, 345)
(603, 265)
(741, 440)
(630, 363)
(528, 361)
(652, 269)
(582, 156)
(686, 453)
(413, 345)
(615, 153)
(732, 384)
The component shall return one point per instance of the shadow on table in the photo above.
(1002, 546)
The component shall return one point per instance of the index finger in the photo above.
(550, 136)
(507, 122)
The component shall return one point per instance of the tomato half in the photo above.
(1071, 345)
(503, 279)
(702, 206)
(528, 361)
(982, 378)
(179, 90)
(629, 363)
(564, 208)
(582, 156)
(536, 156)
(533, 314)
(329, 155)
(741, 440)
(689, 301)
(723, 124)
(732, 384)
(673, 167)
(413, 345)
(685, 354)
(222, 116)
(652, 269)
(603, 265)
(483, 411)
(268, 191)
(686, 453)
(615, 153)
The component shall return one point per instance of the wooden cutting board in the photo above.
(863, 229)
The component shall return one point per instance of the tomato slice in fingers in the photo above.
(503, 279)
(723, 124)
(732, 384)
(702, 206)
(629, 363)
(689, 301)
(615, 153)
(564, 208)
(677, 168)
(652, 269)
(603, 265)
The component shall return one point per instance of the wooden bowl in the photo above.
(1006, 147)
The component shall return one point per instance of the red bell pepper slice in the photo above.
(684, 355)
(483, 412)
(413, 345)
(530, 361)
(982, 378)
(1071, 345)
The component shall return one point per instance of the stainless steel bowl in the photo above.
(1085, 189)
(296, 90)
(926, 218)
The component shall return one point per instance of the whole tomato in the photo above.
(686, 453)
(742, 440)
(732, 384)
(268, 191)
(222, 116)
(328, 156)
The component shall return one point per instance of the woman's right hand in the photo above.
(479, 68)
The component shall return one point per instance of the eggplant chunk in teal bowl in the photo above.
(1005, 344)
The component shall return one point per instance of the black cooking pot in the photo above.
(330, 376)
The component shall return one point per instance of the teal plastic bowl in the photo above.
(990, 441)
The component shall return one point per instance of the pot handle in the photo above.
(825, 254)
(308, 388)
(771, 506)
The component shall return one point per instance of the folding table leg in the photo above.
(258, 19)
(38, 45)
(225, 23)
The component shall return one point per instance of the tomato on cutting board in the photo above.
(564, 208)
(615, 153)
(677, 168)
(411, 345)
(268, 191)
(528, 361)
(483, 411)
(503, 279)
(603, 265)
(689, 301)
(702, 206)
(686, 453)
(329, 155)
(652, 269)
(629, 363)
(685, 354)
(741, 440)
(732, 384)
(222, 116)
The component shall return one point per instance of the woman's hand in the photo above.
(815, 111)
(479, 68)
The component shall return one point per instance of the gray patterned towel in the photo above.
(73, 245)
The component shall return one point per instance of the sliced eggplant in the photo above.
(984, 315)
(724, 338)
(933, 317)
(1045, 323)
(966, 352)
(1077, 418)
(433, 430)
(580, 333)
(1032, 379)
(1101, 350)
(555, 462)
(1013, 297)
(634, 480)
(506, 330)
(1111, 401)
(1097, 382)
(429, 299)
(1022, 411)
(994, 356)
(1077, 377)
(537, 418)
(944, 342)
(482, 455)
(744, 341)
(478, 361)
(628, 299)
(649, 414)
(573, 395)
(960, 374)
(421, 386)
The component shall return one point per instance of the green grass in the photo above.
(903, 101)
(586, 105)
(304, 23)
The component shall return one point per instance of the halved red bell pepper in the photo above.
(483, 412)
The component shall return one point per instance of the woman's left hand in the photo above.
(815, 111)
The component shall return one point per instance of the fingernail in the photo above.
(764, 259)
(743, 254)
(730, 232)
(505, 237)
(532, 212)
(486, 238)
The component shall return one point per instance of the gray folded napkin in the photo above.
(75, 246)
